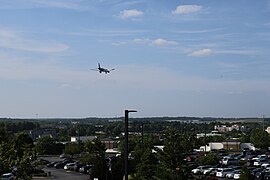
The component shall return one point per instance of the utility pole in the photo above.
(263, 122)
(142, 136)
(126, 142)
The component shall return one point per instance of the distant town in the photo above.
(158, 148)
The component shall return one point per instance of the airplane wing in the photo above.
(94, 69)
(112, 69)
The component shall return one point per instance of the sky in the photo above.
(172, 58)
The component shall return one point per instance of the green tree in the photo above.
(245, 174)
(22, 143)
(96, 154)
(146, 169)
(46, 145)
(16, 152)
(171, 158)
(260, 139)
(209, 159)
(72, 148)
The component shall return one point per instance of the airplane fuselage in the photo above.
(103, 70)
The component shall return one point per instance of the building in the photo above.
(268, 129)
(213, 133)
(232, 145)
(82, 138)
(38, 133)
(224, 128)
(109, 143)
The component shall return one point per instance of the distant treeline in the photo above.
(18, 126)
(167, 118)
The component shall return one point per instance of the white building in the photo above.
(82, 138)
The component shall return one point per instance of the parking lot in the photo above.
(61, 174)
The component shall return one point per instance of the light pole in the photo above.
(126, 142)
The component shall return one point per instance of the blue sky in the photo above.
(172, 58)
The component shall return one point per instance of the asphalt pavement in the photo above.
(62, 174)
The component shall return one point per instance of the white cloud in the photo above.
(163, 42)
(187, 9)
(118, 43)
(15, 40)
(156, 42)
(130, 13)
(201, 53)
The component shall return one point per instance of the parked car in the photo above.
(200, 169)
(70, 166)
(209, 170)
(222, 172)
(230, 175)
(85, 169)
(259, 175)
(230, 161)
(260, 157)
(7, 176)
(237, 174)
(265, 165)
(254, 171)
(267, 176)
(60, 165)
(78, 166)
(51, 164)
(259, 162)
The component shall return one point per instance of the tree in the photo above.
(209, 159)
(146, 169)
(260, 139)
(46, 145)
(23, 143)
(171, 158)
(245, 174)
(94, 146)
(72, 148)
(16, 152)
(96, 154)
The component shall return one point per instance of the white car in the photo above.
(230, 175)
(260, 157)
(7, 176)
(259, 162)
(237, 174)
(200, 169)
(222, 172)
(265, 165)
(69, 166)
(207, 171)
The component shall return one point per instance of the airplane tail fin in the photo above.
(98, 65)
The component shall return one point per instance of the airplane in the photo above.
(101, 70)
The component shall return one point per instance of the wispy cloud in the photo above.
(238, 51)
(64, 4)
(197, 31)
(201, 52)
(28, 4)
(131, 13)
(187, 9)
(105, 33)
(15, 40)
(119, 43)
